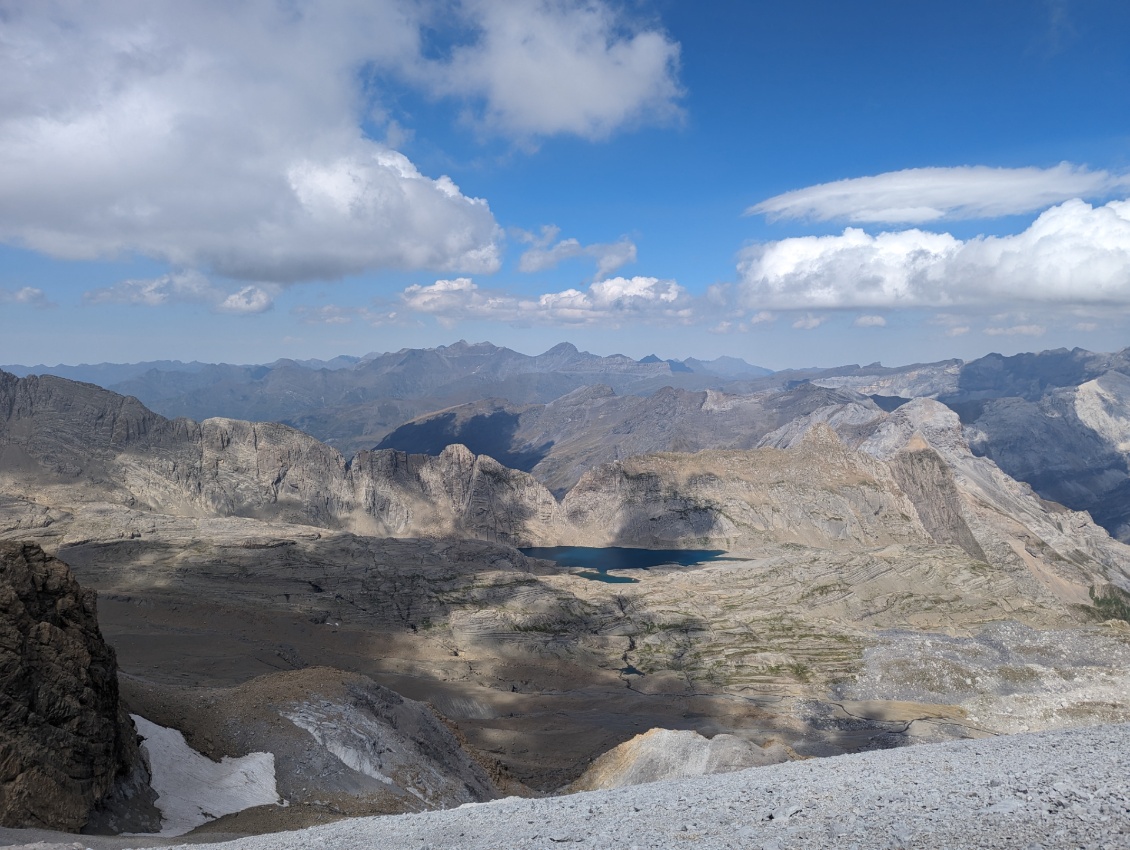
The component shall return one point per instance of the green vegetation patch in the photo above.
(1114, 604)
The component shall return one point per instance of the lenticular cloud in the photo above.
(1073, 253)
(919, 195)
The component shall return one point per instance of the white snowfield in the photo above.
(192, 789)
(1041, 791)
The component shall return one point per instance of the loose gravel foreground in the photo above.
(1062, 789)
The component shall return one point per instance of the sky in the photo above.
(798, 184)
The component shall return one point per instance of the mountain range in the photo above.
(1056, 419)
(886, 579)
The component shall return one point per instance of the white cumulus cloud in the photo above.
(1073, 253)
(919, 195)
(219, 136)
(544, 67)
(249, 299)
(228, 137)
(607, 302)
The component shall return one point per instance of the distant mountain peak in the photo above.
(563, 348)
(463, 345)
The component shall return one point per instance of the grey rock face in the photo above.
(1070, 444)
(69, 757)
(921, 379)
(926, 478)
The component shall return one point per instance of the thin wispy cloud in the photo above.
(919, 195)
(1016, 330)
(547, 252)
(1073, 253)
(29, 296)
(869, 321)
(334, 314)
(188, 287)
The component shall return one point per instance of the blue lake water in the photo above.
(595, 562)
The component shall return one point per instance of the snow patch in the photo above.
(347, 733)
(192, 789)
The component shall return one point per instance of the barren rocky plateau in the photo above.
(882, 585)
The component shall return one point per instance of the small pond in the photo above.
(595, 562)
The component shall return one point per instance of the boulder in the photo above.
(661, 754)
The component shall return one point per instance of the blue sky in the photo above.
(810, 183)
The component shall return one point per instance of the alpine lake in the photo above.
(596, 562)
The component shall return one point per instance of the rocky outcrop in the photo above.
(1070, 444)
(69, 757)
(928, 480)
(674, 754)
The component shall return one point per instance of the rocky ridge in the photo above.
(62, 441)
(559, 441)
(352, 403)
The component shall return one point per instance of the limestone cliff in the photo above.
(455, 493)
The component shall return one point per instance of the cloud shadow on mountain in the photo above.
(491, 434)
